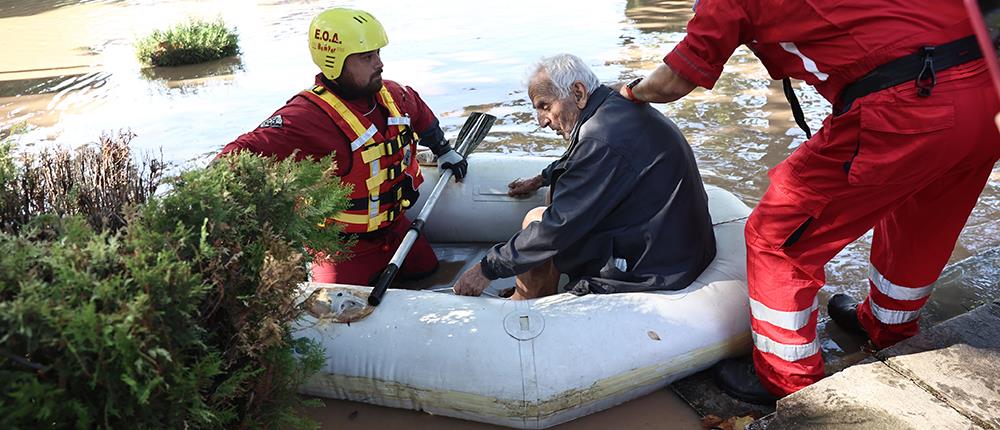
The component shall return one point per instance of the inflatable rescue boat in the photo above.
(522, 364)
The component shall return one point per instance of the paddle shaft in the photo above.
(469, 137)
(411, 237)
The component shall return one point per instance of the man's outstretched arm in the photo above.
(661, 86)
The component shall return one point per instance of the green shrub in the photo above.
(8, 170)
(178, 320)
(189, 43)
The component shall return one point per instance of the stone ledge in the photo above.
(946, 377)
(869, 396)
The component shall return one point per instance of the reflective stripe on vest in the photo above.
(364, 138)
(398, 120)
(370, 148)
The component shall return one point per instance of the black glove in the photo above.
(454, 161)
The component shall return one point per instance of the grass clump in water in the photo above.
(192, 42)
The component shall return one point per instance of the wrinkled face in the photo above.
(362, 74)
(552, 111)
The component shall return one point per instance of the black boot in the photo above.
(844, 311)
(737, 377)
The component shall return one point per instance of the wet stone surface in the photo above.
(959, 361)
(700, 391)
(945, 377)
(869, 396)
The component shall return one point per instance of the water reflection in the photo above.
(12, 9)
(40, 101)
(653, 16)
(187, 78)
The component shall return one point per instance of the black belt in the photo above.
(920, 67)
(390, 196)
(361, 204)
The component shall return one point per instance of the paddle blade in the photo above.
(470, 123)
(473, 132)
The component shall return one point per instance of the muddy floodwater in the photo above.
(69, 72)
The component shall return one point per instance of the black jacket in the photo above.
(627, 189)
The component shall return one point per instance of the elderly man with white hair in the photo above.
(628, 210)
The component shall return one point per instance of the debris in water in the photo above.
(731, 423)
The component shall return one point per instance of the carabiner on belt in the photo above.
(927, 78)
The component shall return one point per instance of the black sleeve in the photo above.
(423, 122)
(596, 180)
(433, 138)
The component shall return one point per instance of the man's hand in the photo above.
(471, 283)
(524, 186)
(622, 90)
(454, 161)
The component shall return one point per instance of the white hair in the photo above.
(563, 70)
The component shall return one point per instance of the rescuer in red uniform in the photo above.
(372, 127)
(907, 150)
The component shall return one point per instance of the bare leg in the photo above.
(540, 281)
(532, 216)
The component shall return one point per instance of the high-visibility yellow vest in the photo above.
(384, 167)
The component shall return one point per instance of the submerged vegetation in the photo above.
(192, 42)
(177, 318)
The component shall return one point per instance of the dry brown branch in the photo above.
(101, 182)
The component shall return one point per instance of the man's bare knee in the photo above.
(532, 216)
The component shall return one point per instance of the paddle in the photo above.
(469, 137)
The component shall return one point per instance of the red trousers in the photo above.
(368, 257)
(910, 167)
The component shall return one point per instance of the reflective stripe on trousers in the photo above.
(917, 205)
(784, 319)
(787, 320)
(897, 292)
(885, 310)
(783, 350)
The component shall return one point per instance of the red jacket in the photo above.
(826, 43)
(302, 125)
(373, 139)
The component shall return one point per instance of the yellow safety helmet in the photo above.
(336, 33)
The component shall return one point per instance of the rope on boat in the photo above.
(731, 221)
